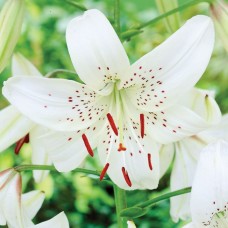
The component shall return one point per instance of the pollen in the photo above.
(103, 172)
(87, 145)
(126, 177)
(112, 124)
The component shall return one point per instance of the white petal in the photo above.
(95, 49)
(13, 126)
(67, 150)
(186, 157)
(216, 132)
(166, 73)
(140, 160)
(210, 187)
(39, 153)
(59, 104)
(32, 202)
(12, 203)
(22, 67)
(166, 155)
(59, 221)
(181, 121)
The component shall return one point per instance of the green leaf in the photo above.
(134, 212)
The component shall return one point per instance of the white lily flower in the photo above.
(17, 210)
(59, 221)
(187, 152)
(16, 127)
(209, 196)
(121, 108)
(131, 224)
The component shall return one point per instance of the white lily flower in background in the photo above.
(131, 224)
(121, 108)
(16, 127)
(11, 18)
(209, 196)
(59, 221)
(17, 210)
(187, 152)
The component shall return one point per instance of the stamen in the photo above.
(104, 171)
(126, 177)
(87, 145)
(142, 125)
(112, 124)
(149, 161)
(20, 143)
(121, 147)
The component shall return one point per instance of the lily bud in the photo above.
(219, 13)
(11, 17)
(172, 22)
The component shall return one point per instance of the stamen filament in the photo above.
(104, 171)
(20, 143)
(126, 177)
(142, 125)
(149, 161)
(112, 124)
(87, 145)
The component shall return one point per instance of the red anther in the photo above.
(112, 124)
(87, 145)
(142, 125)
(20, 143)
(149, 161)
(103, 172)
(121, 147)
(126, 177)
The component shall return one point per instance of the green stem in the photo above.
(121, 203)
(117, 16)
(58, 71)
(77, 5)
(127, 34)
(22, 168)
(141, 207)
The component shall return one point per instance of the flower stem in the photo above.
(59, 71)
(150, 203)
(117, 16)
(22, 168)
(121, 203)
(128, 34)
(140, 209)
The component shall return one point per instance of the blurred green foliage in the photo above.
(88, 202)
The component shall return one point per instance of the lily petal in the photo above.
(67, 150)
(22, 67)
(132, 165)
(13, 126)
(185, 119)
(166, 155)
(95, 49)
(56, 103)
(186, 157)
(59, 221)
(162, 76)
(209, 195)
(39, 153)
(32, 202)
